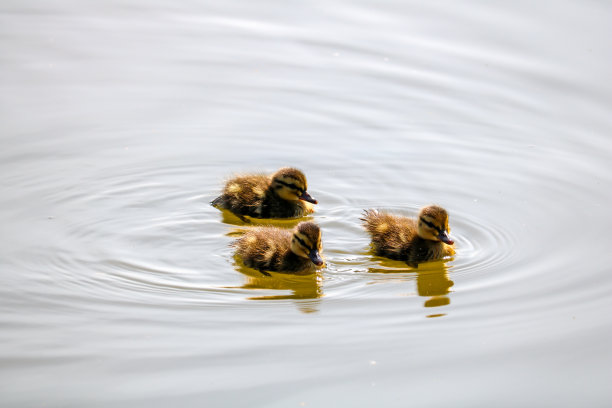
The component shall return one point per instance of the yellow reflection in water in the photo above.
(300, 287)
(432, 280)
(435, 284)
(228, 217)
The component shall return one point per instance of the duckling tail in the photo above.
(368, 214)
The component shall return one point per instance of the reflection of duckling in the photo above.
(434, 283)
(405, 239)
(278, 250)
(281, 195)
(300, 287)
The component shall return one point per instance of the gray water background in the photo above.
(120, 120)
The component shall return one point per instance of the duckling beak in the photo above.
(307, 197)
(315, 257)
(445, 238)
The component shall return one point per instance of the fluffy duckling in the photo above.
(410, 240)
(281, 195)
(279, 250)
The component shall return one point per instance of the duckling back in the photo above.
(264, 248)
(391, 234)
(244, 195)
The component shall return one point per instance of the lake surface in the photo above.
(120, 121)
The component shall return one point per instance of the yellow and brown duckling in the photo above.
(406, 239)
(280, 195)
(280, 250)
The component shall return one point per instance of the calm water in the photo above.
(121, 119)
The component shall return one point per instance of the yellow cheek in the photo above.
(309, 207)
(283, 193)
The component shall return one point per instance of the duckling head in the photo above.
(433, 224)
(306, 242)
(290, 184)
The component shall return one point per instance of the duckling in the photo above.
(281, 195)
(279, 250)
(407, 239)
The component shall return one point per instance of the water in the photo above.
(120, 121)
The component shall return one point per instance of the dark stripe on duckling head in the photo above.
(308, 236)
(432, 225)
(290, 185)
(302, 243)
(299, 191)
(313, 252)
(309, 231)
